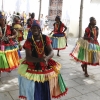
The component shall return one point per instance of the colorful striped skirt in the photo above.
(59, 41)
(86, 52)
(9, 58)
(41, 85)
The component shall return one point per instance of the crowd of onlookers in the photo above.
(24, 18)
(10, 16)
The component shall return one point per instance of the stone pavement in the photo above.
(80, 88)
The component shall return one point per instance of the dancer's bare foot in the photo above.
(58, 55)
(86, 75)
(83, 67)
(0, 74)
(9, 71)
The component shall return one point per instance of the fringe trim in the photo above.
(8, 69)
(22, 97)
(42, 77)
(95, 64)
(60, 95)
(59, 48)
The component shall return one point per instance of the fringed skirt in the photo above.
(59, 41)
(86, 52)
(41, 85)
(9, 58)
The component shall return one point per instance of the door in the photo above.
(55, 8)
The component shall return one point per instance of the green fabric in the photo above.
(3, 61)
(61, 42)
(81, 54)
(22, 69)
(25, 34)
(97, 48)
(61, 83)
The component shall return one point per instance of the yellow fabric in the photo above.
(15, 60)
(38, 77)
(12, 58)
(9, 59)
(17, 26)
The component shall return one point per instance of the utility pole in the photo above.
(2, 5)
(80, 19)
(40, 2)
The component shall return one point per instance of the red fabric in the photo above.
(60, 95)
(20, 39)
(8, 33)
(30, 22)
(56, 28)
(87, 30)
(28, 44)
(48, 40)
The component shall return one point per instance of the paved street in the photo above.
(80, 88)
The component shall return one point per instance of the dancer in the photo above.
(29, 23)
(59, 38)
(86, 49)
(9, 57)
(30, 20)
(18, 27)
(39, 76)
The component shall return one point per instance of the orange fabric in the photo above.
(54, 87)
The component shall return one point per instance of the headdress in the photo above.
(36, 23)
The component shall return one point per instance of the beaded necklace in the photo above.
(57, 25)
(94, 31)
(39, 50)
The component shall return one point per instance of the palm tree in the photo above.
(80, 19)
(40, 1)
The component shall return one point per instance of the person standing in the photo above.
(39, 76)
(59, 39)
(30, 20)
(19, 28)
(86, 50)
(42, 22)
(9, 55)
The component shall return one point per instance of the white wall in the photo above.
(21, 5)
(71, 11)
(25, 5)
(45, 7)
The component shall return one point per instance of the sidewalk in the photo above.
(80, 87)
